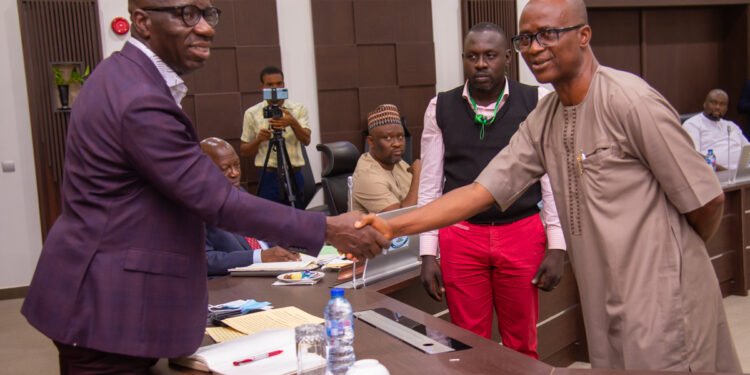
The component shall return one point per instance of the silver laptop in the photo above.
(402, 256)
(743, 166)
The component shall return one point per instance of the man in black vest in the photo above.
(494, 258)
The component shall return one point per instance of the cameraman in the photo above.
(257, 130)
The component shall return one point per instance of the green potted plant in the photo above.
(63, 84)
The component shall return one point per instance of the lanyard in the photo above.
(484, 121)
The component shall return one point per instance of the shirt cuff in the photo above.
(556, 239)
(428, 243)
(256, 256)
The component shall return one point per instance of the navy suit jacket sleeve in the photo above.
(226, 250)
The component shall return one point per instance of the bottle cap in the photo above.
(337, 292)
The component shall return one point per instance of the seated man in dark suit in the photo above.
(225, 250)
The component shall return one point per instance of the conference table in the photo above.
(484, 356)
(561, 333)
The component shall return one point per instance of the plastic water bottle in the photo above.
(340, 333)
(711, 159)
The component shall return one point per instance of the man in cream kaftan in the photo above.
(623, 173)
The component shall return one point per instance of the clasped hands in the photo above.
(359, 236)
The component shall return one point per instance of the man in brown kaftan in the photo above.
(637, 202)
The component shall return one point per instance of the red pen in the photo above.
(257, 357)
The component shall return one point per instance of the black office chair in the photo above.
(685, 116)
(310, 187)
(339, 160)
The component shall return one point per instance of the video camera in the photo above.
(273, 109)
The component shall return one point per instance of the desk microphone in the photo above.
(729, 146)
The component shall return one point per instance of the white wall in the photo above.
(108, 10)
(446, 33)
(298, 61)
(20, 230)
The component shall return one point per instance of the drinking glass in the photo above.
(311, 349)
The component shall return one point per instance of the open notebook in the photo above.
(306, 262)
(220, 358)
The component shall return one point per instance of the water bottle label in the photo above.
(337, 327)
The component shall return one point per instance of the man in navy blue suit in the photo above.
(225, 250)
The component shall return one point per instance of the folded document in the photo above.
(306, 262)
(228, 357)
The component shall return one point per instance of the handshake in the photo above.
(359, 236)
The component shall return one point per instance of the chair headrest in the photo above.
(685, 116)
(340, 157)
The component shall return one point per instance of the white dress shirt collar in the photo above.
(176, 85)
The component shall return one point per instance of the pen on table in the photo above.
(257, 357)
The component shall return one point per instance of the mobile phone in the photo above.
(276, 94)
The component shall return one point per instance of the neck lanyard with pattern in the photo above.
(481, 119)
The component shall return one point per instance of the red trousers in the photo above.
(491, 266)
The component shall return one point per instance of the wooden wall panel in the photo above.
(218, 115)
(413, 24)
(616, 38)
(333, 22)
(375, 21)
(223, 65)
(347, 102)
(377, 65)
(337, 66)
(682, 54)
(255, 22)
(367, 52)
(63, 31)
(411, 99)
(411, 68)
(682, 51)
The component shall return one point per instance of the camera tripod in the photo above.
(287, 186)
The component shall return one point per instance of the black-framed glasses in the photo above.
(545, 38)
(191, 14)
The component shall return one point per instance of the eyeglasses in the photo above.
(545, 38)
(191, 14)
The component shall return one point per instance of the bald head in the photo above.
(716, 104)
(554, 38)
(224, 156)
(213, 145)
(571, 11)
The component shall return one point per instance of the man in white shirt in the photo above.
(710, 131)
